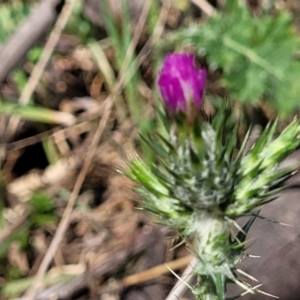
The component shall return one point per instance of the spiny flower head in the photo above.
(202, 181)
(181, 82)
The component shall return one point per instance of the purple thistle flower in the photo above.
(181, 82)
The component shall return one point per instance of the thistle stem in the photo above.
(180, 287)
(207, 287)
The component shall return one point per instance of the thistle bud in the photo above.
(181, 82)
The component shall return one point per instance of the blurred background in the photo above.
(77, 85)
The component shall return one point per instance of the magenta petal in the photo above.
(181, 82)
(199, 84)
(171, 92)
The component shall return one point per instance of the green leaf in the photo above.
(12, 14)
(42, 219)
(42, 203)
(21, 235)
(255, 54)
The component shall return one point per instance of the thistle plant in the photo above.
(202, 179)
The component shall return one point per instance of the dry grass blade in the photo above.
(156, 271)
(67, 213)
(55, 133)
(45, 56)
(103, 65)
(63, 225)
(108, 74)
(206, 7)
(106, 263)
(179, 289)
(80, 179)
(47, 52)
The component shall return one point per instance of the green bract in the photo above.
(201, 181)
